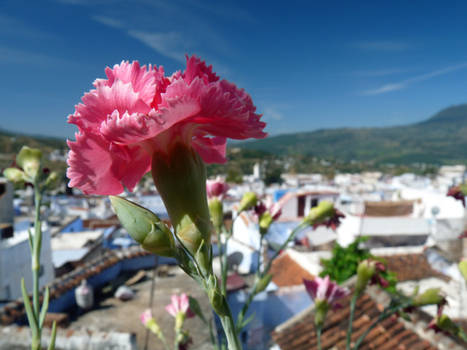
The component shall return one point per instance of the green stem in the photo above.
(318, 336)
(230, 331)
(224, 266)
(220, 248)
(35, 265)
(258, 272)
(353, 302)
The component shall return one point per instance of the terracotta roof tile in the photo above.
(287, 272)
(412, 267)
(388, 335)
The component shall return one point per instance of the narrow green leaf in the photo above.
(44, 308)
(53, 336)
(27, 306)
(196, 308)
(30, 239)
(248, 320)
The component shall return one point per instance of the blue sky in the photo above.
(307, 64)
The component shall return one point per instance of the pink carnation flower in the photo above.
(138, 111)
(216, 188)
(145, 317)
(323, 289)
(274, 209)
(179, 304)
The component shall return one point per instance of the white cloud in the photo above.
(108, 21)
(271, 113)
(167, 44)
(382, 45)
(378, 72)
(407, 82)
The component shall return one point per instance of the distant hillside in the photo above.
(438, 140)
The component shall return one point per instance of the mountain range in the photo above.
(441, 139)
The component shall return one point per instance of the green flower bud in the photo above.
(14, 175)
(463, 269)
(144, 226)
(323, 211)
(265, 222)
(263, 283)
(365, 271)
(179, 174)
(321, 310)
(446, 324)
(51, 180)
(217, 300)
(217, 213)
(154, 327)
(431, 296)
(29, 159)
(248, 201)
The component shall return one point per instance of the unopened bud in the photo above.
(215, 296)
(431, 296)
(323, 211)
(321, 310)
(144, 226)
(265, 222)
(365, 271)
(51, 180)
(248, 201)
(14, 175)
(29, 159)
(217, 213)
(263, 283)
(463, 269)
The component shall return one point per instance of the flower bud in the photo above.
(323, 211)
(463, 269)
(365, 271)
(265, 222)
(215, 296)
(263, 283)
(144, 226)
(51, 180)
(248, 201)
(431, 296)
(29, 159)
(180, 177)
(321, 309)
(217, 213)
(14, 175)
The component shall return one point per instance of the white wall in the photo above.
(15, 263)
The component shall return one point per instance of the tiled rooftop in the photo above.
(412, 267)
(299, 333)
(287, 272)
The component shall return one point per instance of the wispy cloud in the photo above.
(407, 82)
(14, 28)
(168, 44)
(271, 113)
(108, 21)
(382, 45)
(378, 72)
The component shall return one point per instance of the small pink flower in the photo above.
(216, 188)
(457, 193)
(138, 112)
(145, 317)
(334, 221)
(274, 209)
(323, 289)
(180, 304)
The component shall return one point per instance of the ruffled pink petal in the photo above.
(171, 310)
(184, 302)
(197, 68)
(145, 316)
(211, 149)
(129, 128)
(142, 80)
(311, 287)
(97, 167)
(100, 103)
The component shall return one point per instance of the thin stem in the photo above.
(221, 258)
(353, 302)
(35, 266)
(318, 336)
(258, 272)
(230, 331)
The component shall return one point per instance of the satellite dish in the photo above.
(435, 210)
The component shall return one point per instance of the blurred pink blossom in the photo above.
(179, 304)
(145, 317)
(137, 112)
(216, 188)
(323, 289)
